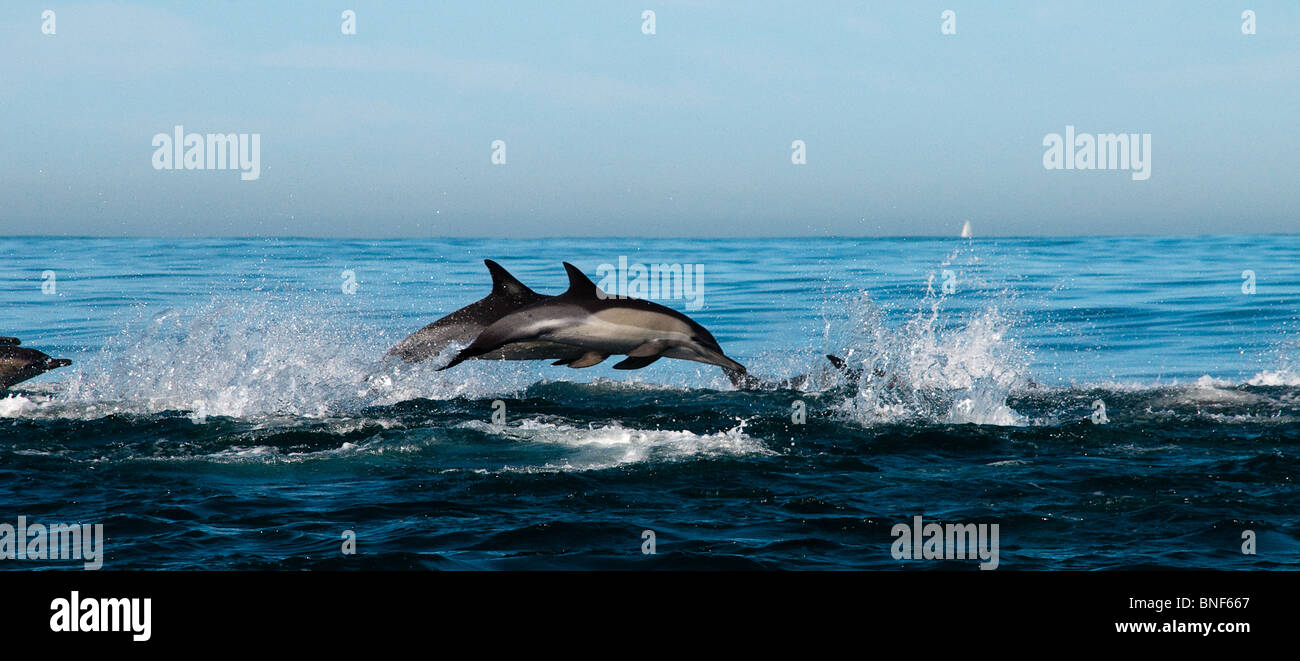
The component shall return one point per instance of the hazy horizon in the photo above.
(688, 132)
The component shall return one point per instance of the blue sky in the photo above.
(388, 133)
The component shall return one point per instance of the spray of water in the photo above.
(937, 365)
(258, 359)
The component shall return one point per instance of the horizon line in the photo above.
(294, 237)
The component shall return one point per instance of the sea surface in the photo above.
(1107, 402)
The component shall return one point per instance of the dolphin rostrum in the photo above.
(508, 294)
(17, 364)
(601, 325)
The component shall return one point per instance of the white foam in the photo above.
(611, 445)
(1283, 377)
(15, 406)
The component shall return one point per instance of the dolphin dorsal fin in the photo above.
(503, 283)
(580, 285)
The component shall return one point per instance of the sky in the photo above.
(686, 132)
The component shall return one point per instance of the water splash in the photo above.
(14, 406)
(936, 366)
(258, 359)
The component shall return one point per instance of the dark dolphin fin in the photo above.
(643, 355)
(836, 361)
(10, 341)
(460, 358)
(504, 283)
(580, 286)
(635, 363)
(587, 360)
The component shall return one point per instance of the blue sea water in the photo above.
(229, 408)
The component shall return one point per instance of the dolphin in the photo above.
(747, 381)
(601, 325)
(17, 364)
(508, 294)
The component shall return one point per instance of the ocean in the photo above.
(1107, 402)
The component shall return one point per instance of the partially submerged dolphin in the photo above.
(747, 381)
(508, 294)
(17, 364)
(600, 325)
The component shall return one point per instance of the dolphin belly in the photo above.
(662, 340)
(612, 338)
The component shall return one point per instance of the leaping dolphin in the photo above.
(601, 325)
(508, 294)
(17, 364)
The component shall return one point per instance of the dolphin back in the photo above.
(463, 325)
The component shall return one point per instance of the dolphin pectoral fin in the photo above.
(643, 355)
(636, 363)
(587, 360)
(459, 358)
